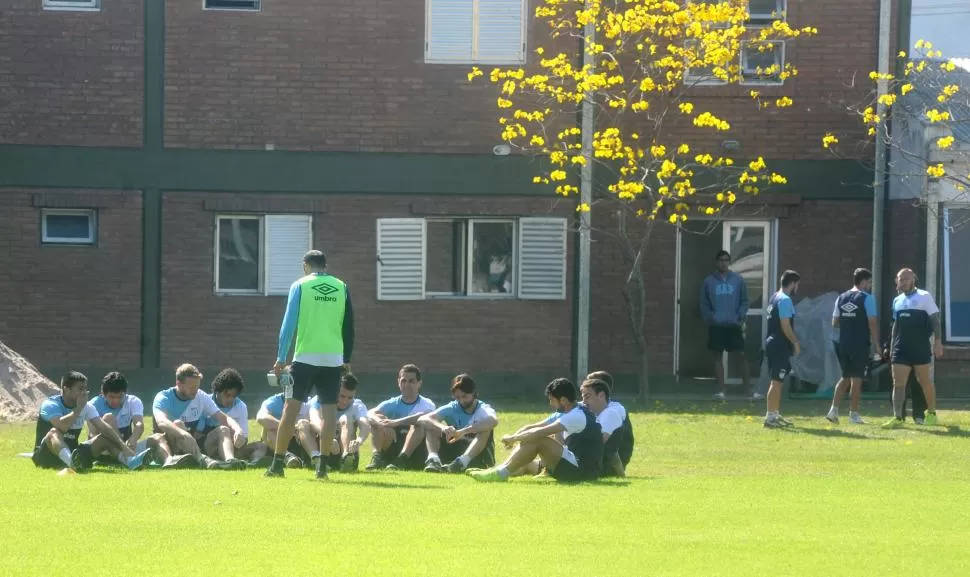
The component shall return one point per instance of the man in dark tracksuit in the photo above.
(724, 307)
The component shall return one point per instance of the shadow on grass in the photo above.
(944, 431)
(836, 433)
(379, 485)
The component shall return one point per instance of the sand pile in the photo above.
(22, 387)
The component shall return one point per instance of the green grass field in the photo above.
(710, 493)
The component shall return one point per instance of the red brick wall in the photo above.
(65, 305)
(344, 75)
(438, 335)
(71, 78)
(823, 240)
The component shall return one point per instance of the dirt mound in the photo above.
(22, 387)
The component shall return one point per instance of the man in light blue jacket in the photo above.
(724, 306)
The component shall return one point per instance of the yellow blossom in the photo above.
(558, 175)
(783, 102)
(658, 150)
(887, 99)
(906, 89)
(503, 103)
(686, 107)
(583, 207)
(935, 115)
(683, 149)
(935, 170)
(540, 50)
(474, 73)
(945, 142)
(757, 165)
(829, 139)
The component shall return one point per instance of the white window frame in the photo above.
(696, 79)
(75, 6)
(91, 214)
(950, 337)
(257, 7)
(758, 81)
(261, 262)
(428, 48)
(781, 13)
(468, 256)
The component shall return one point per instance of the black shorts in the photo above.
(779, 362)
(567, 472)
(326, 380)
(725, 338)
(912, 356)
(45, 459)
(125, 433)
(333, 461)
(854, 361)
(451, 451)
(417, 458)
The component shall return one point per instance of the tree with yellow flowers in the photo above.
(925, 123)
(654, 155)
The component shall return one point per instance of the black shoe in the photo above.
(322, 470)
(275, 469)
(81, 458)
(293, 462)
(376, 462)
(350, 463)
(399, 463)
(432, 465)
(179, 462)
(455, 466)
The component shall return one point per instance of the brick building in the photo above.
(163, 165)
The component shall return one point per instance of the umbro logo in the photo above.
(849, 307)
(325, 288)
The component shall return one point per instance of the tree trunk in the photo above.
(643, 381)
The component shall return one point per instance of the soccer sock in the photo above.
(899, 399)
(434, 455)
(464, 460)
(315, 454)
(65, 456)
(503, 472)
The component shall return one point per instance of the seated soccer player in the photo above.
(219, 441)
(397, 437)
(610, 415)
(302, 444)
(59, 427)
(578, 458)
(122, 412)
(177, 412)
(352, 427)
(466, 425)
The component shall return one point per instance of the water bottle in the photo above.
(286, 380)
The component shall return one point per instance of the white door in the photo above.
(749, 243)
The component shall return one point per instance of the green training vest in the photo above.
(320, 326)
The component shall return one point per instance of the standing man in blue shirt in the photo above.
(724, 306)
(916, 319)
(780, 345)
(319, 314)
(855, 319)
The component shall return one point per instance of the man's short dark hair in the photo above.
(598, 386)
(316, 259)
(227, 380)
(603, 376)
(349, 382)
(114, 382)
(861, 275)
(409, 368)
(789, 277)
(72, 378)
(463, 383)
(722, 253)
(187, 371)
(562, 388)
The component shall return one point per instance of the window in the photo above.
(260, 254)
(764, 12)
(956, 273)
(248, 5)
(475, 31)
(762, 62)
(699, 75)
(499, 258)
(79, 5)
(59, 226)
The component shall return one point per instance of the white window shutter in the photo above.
(448, 31)
(287, 241)
(501, 30)
(401, 259)
(542, 258)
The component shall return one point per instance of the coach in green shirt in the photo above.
(319, 313)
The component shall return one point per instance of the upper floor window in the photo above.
(68, 226)
(260, 254)
(248, 5)
(475, 31)
(78, 5)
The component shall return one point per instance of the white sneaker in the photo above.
(856, 418)
(721, 396)
(833, 416)
(757, 396)
(918, 421)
